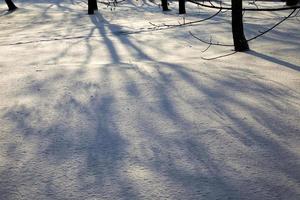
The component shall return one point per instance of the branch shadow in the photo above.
(274, 60)
(118, 131)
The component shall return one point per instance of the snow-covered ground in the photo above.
(105, 107)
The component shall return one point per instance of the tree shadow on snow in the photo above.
(173, 131)
(274, 60)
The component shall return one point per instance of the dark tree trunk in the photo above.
(95, 5)
(240, 42)
(181, 7)
(291, 2)
(164, 5)
(11, 6)
(92, 6)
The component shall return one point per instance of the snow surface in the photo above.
(103, 107)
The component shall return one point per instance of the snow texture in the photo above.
(103, 107)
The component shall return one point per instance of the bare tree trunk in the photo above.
(95, 5)
(239, 39)
(164, 4)
(92, 6)
(182, 7)
(11, 6)
(291, 2)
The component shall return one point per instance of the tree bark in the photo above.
(239, 39)
(164, 4)
(291, 2)
(95, 5)
(92, 6)
(11, 6)
(182, 7)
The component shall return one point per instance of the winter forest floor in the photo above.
(105, 107)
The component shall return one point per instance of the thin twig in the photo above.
(207, 46)
(221, 56)
(211, 43)
(187, 23)
(246, 9)
(268, 30)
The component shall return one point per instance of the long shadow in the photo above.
(78, 136)
(104, 27)
(101, 25)
(274, 60)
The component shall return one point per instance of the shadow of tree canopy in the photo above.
(137, 126)
(180, 133)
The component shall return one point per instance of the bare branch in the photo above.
(268, 30)
(246, 9)
(211, 43)
(221, 56)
